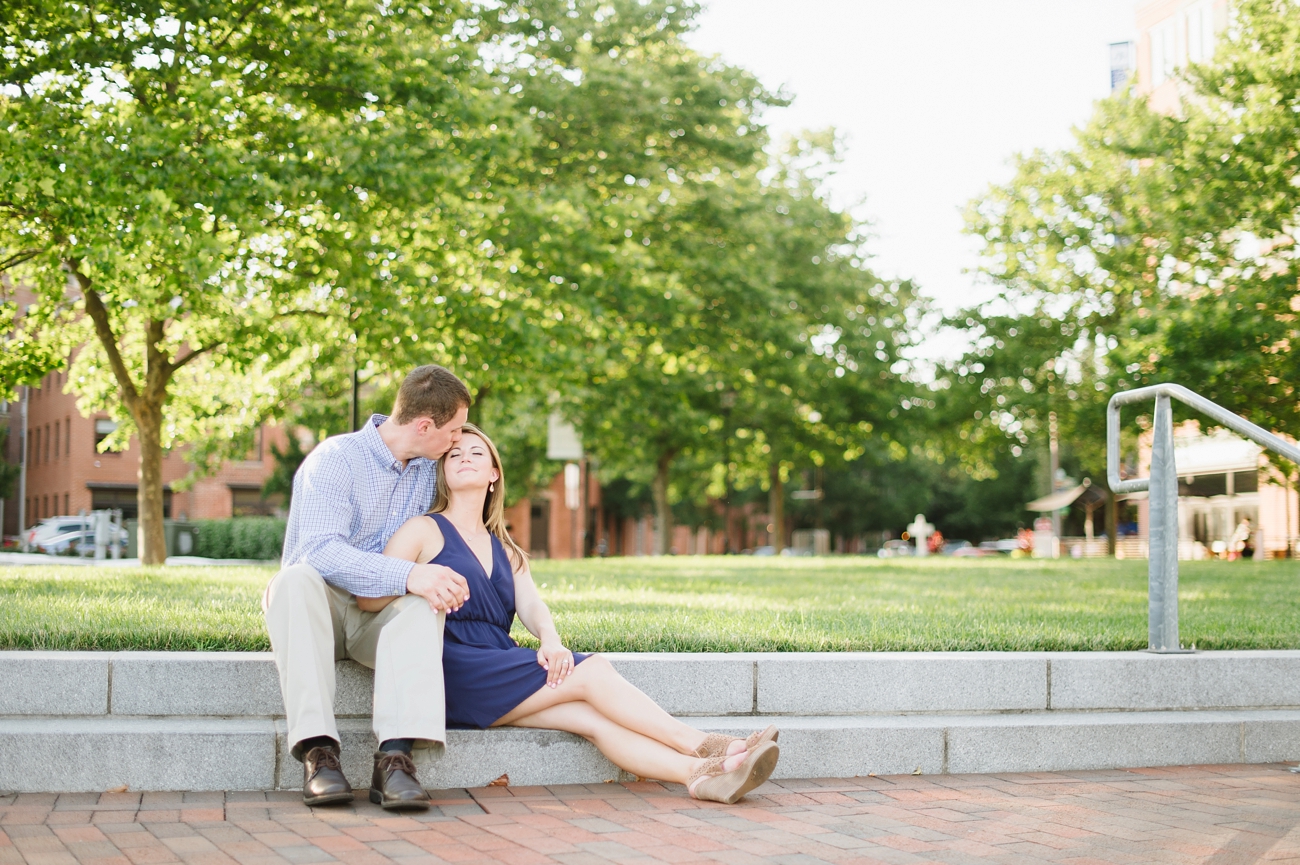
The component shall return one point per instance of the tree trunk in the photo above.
(145, 403)
(1112, 523)
(149, 493)
(776, 507)
(663, 513)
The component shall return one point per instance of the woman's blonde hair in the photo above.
(494, 505)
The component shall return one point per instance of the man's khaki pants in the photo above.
(312, 624)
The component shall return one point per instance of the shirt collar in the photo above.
(379, 450)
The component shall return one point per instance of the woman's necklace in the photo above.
(479, 531)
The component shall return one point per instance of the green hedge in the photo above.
(240, 538)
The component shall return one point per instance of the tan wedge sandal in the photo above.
(712, 783)
(716, 744)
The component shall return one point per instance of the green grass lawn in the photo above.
(713, 604)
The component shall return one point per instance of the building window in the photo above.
(57, 440)
(1204, 486)
(67, 437)
(124, 499)
(248, 502)
(539, 535)
(33, 445)
(1200, 32)
(254, 454)
(1164, 53)
(67, 503)
(104, 427)
(47, 444)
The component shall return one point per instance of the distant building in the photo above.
(1171, 34)
(1222, 479)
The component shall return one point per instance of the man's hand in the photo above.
(444, 589)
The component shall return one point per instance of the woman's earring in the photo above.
(491, 486)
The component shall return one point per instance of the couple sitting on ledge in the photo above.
(426, 597)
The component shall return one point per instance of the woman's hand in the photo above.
(556, 660)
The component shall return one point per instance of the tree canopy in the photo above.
(227, 212)
(1160, 247)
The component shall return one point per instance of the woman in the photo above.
(491, 681)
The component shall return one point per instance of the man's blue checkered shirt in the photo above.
(349, 496)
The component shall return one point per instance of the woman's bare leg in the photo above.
(626, 749)
(597, 683)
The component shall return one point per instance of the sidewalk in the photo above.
(19, 559)
(1206, 814)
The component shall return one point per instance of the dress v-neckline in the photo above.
(492, 550)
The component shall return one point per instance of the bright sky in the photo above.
(933, 97)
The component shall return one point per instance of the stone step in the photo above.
(86, 754)
(244, 684)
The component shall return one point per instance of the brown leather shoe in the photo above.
(322, 777)
(394, 785)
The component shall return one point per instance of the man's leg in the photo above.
(304, 617)
(403, 644)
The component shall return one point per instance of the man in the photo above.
(349, 496)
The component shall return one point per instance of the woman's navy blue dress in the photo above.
(485, 673)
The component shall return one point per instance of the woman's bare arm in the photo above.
(530, 607)
(418, 540)
(536, 616)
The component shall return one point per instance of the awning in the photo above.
(1057, 500)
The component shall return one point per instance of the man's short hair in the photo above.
(430, 391)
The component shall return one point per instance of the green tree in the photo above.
(201, 192)
(1168, 242)
(1158, 248)
(771, 343)
(635, 139)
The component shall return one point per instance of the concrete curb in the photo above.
(86, 721)
(850, 683)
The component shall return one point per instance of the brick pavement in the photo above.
(1219, 815)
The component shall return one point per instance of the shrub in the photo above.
(240, 538)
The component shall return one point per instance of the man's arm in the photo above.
(416, 541)
(323, 511)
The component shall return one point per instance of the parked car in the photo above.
(954, 548)
(68, 536)
(895, 548)
(50, 527)
(969, 552)
(1006, 545)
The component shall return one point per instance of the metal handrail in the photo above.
(1162, 563)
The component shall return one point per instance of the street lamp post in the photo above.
(728, 403)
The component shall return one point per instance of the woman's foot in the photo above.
(728, 779)
(720, 745)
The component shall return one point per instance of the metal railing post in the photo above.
(1162, 555)
(1162, 573)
